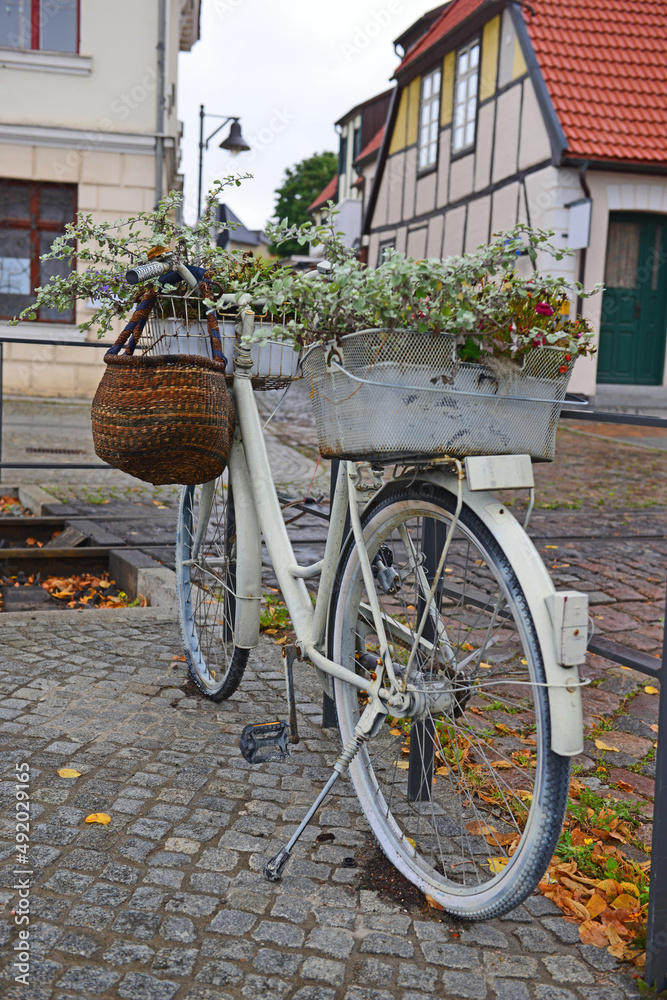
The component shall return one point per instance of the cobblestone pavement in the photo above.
(168, 900)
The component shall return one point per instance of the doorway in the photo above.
(634, 303)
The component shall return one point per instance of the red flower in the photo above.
(544, 309)
(563, 369)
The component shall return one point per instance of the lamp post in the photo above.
(234, 142)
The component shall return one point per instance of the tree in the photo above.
(300, 187)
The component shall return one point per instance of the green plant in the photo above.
(482, 299)
(99, 254)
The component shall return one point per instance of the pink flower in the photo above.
(544, 309)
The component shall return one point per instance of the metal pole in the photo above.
(656, 929)
(159, 140)
(201, 158)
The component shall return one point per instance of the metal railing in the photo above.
(50, 343)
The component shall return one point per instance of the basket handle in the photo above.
(131, 334)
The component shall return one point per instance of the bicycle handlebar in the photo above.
(143, 272)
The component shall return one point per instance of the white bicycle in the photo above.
(438, 634)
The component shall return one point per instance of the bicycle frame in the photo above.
(252, 484)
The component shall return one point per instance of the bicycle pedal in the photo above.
(264, 742)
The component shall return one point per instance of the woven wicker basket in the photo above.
(164, 419)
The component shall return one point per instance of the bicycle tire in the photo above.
(480, 838)
(205, 592)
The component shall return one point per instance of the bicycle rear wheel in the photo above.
(205, 587)
(468, 799)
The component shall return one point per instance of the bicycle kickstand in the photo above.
(367, 726)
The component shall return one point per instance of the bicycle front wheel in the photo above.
(205, 587)
(466, 799)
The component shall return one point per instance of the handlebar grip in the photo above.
(145, 271)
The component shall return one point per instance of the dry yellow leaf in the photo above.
(650, 690)
(69, 772)
(442, 770)
(595, 905)
(403, 765)
(98, 818)
(496, 865)
(485, 666)
(395, 732)
(624, 901)
(411, 842)
(654, 728)
(578, 908)
(601, 745)
(609, 885)
(629, 887)
(433, 903)
(478, 829)
(501, 765)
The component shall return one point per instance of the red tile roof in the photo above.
(327, 194)
(372, 146)
(605, 66)
(456, 12)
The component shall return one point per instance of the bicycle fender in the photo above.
(564, 691)
(248, 551)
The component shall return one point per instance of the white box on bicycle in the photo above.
(569, 615)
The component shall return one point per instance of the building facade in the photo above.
(88, 124)
(544, 114)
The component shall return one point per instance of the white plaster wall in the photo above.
(402, 239)
(417, 242)
(434, 240)
(426, 186)
(461, 177)
(454, 224)
(507, 42)
(484, 149)
(444, 154)
(534, 145)
(477, 228)
(504, 208)
(410, 188)
(506, 147)
(394, 172)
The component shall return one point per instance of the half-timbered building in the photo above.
(553, 113)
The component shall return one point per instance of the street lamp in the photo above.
(234, 142)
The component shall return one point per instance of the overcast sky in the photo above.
(289, 69)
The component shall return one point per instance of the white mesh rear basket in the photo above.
(400, 396)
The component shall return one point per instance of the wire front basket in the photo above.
(178, 326)
(402, 396)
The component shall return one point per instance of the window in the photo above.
(465, 96)
(50, 25)
(429, 119)
(357, 143)
(31, 215)
(342, 155)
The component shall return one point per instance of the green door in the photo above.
(634, 303)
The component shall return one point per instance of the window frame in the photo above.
(432, 100)
(466, 147)
(35, 227)
(36, 30)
